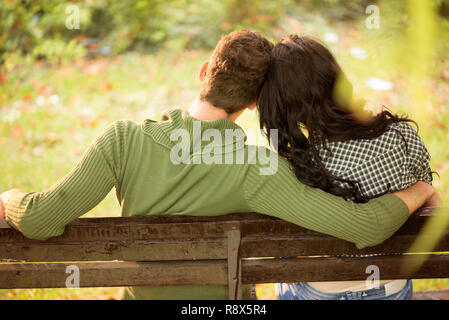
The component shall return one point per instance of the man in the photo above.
(175, 167)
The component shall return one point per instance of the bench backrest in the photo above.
(224, 250)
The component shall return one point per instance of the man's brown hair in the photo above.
(236, 70)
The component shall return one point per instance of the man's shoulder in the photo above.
(125, 124)
(160, 130)
(125, 129)
(121, 129)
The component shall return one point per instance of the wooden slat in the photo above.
(133, 250)
(195, 249)
(127, 228)
(186, 227)
(214, 272)
(309, 246)
(343, 269)
(112, 274)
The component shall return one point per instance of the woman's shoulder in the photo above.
(414, 145)
(406, 130)
(394, 147)
(392, 161)
(361, 150)
(395, 136)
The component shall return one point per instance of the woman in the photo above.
(308, 99)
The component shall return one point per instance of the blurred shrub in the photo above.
(38, 27)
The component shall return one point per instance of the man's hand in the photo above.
(4, 199)
(417, 195)
(434, 201)
(2, 210)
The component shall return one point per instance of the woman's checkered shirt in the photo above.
(393, 161)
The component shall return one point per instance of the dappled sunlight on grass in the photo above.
(62, 294)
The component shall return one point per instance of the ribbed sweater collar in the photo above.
(181, 119)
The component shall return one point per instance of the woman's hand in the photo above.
(4, 199)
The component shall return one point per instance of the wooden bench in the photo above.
(228, 250)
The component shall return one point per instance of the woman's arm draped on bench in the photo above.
(40, 215)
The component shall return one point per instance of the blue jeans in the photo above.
(303, 291)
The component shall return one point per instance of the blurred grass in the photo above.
(62, 294)
(50, 114)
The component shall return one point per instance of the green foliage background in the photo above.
(37, 27)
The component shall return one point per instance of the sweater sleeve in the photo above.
(281, 195)
(41, 215)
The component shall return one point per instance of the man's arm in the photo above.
(41, 215)
(282, 195)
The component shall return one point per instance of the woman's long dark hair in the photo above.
(300, 90)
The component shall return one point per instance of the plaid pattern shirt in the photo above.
(393, 161)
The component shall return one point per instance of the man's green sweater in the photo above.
(136, 160)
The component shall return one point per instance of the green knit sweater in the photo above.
(135, 159)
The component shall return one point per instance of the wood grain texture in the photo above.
(214, 272)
